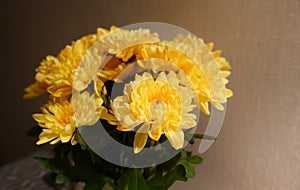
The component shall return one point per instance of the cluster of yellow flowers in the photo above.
(160, 104)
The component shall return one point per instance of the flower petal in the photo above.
(39, 117)
(188, 121)
(65, 138)
(204, 107)
(155, 132)
(176, 138)
(140, 138)
(228, 92)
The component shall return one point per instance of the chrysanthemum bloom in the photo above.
(55, 75)
(160, 106)
(206, 70)
(121, 43)
(215, 74)
(59, 120)
(103, 56)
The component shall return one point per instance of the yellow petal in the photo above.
(65, 138)
(123, 128)
(228, 92)
(73, 141)
(140, 138)
(223, 63)
(34, 90)
(45, 138)
(210, 46)
(39, 118)
(188, 121)
(217, 53)
(225, 81)
(104, 114)
(59, 91)
(79, 85)
(204, 107)
(225, 73)
(176, 138)
(155, 132)
(55, 141)
(218, 106)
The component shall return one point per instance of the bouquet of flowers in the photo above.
(122, 105)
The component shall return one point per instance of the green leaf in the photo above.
(170, 164)
(62, 178)
(105, 100)
(132, 179)
(80, 140)
(189, 162)
(164, 175)
(94, 184)
(202, 136)
(165, 181)
(193, 137)
(71, 163)
(46, 163)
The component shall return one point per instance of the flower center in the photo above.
(156, 102)
(157, 110)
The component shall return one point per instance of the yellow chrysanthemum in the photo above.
(55, 74)
(121, 43)
(171, 55)
(223, 63)
(85, 108)
(59, 120)
(198, 51)
(161, 105)
(113, 67)
(192, 56)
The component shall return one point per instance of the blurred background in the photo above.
(259, 144)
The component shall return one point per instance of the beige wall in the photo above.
(259, 145)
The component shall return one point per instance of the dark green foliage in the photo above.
(80, 164)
